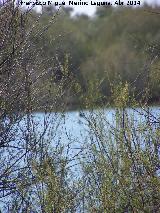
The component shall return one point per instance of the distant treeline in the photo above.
(116, 45)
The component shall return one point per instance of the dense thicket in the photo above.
(117, 44)
(48, 61)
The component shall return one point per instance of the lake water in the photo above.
(74, 129)
(76, 123)
(71, 130)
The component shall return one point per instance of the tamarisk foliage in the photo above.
(26, 167)
(121, 166)
(118, 158)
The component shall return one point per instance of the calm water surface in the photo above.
(73, 127)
